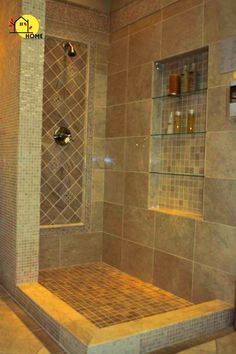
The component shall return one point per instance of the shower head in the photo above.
(69, 49)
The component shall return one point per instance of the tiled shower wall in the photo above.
(64, 105)
(74, 245)
(21, 115)
(193, 258)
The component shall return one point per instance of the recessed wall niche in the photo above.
(178, 133)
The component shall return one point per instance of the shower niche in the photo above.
(64, 162)
(178, 147)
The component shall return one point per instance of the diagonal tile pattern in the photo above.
(64, 104)
(107, 296)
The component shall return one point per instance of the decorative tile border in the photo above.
(78, 15)
(134, 337)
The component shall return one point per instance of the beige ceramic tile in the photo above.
(100, 122)
(118, 56)
(219, 20)
(48, 252)
(218, 110)
(207, 348)
(144, 46)
(115, 122)
(138, 118)
(117, 88)
(114, 154)
(210, 284)
(216, 246)
(112, 250)
(139, 83)
(113, 215)
(97, 185)
(176, 7)
(97, 216)
(137, 154)
(220, 201)
(137, 260)
(215, 78)
(139, 225)
(117, 35)
(100, 89)
(227, 344)
(114, 187)
(173, 274)
(175, 234)
(80, 248)
(176, 39)
(145, 22)
(220, 156)
(136, 189)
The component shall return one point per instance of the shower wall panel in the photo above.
(64, 105)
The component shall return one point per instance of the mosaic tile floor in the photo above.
(106, 296)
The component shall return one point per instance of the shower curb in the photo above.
(77, 335)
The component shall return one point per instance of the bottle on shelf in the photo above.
(184, 79)
(170, 126)
(192, 80)
(191, 121)
(177, 122)
(174, 84)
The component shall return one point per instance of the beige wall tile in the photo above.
(218, 110)
(112, 250)
(221, 155)
(138, 118)
(179, 6)
(80, 248)
(211, 284)
(219, 20)
(226, 344)
(116, 90)
(97, 185)
(139, 83)
(121, 33)
(183, 32)
(216, 246)
(114, 154)
(145, 22)
(137, 260)
(173, 274)
(117, 4)
(214, 76)
(115, 123)
(137, 154)
(118, 56)
(100, 89)
(114, 187)
(175, 235)
(113, 215)
(97, 216)
(98, 153)
(100, 122)
(220, 201)
(136, 189)
(144, 46)
(102, 54)
(48, 252)
(139, 225)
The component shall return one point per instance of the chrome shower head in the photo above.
(69, 49)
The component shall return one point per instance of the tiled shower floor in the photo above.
(107, 296)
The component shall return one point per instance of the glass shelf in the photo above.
(177, 134)
(189, 93)
(177, 174)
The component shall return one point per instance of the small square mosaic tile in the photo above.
(106, 296)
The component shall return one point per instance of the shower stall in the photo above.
(82, 251)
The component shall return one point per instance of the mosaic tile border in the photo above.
(135, 337)
(78, 15)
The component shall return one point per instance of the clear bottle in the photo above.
(191, 121)
(177, 122)
(192, 80)
(170, 125)
(184, 79)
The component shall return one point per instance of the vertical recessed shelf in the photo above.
(177, 159)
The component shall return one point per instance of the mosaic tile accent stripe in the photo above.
(78, 16)
(106, 296)
(64, 104)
